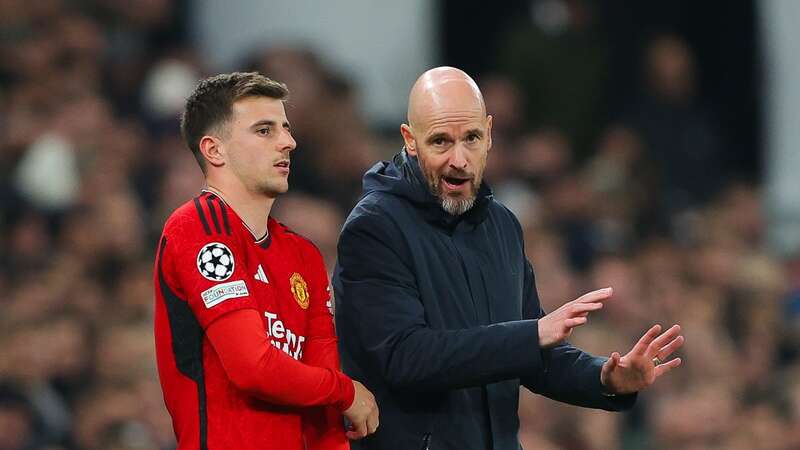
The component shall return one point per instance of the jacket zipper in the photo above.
(426, 442)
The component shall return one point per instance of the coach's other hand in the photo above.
(647, 361)
(555, 327)
(362, 414)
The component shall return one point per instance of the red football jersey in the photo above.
(210, 264)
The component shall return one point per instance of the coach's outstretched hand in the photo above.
(556, 327)
(362, 414)
(644, 363)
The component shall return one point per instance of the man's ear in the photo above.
(408, 138)
(489, 131)
(212, 149)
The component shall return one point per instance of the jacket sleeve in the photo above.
(568, 374)
(378, 298)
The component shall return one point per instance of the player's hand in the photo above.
(362, 414)
(638, 369)
(555, 327)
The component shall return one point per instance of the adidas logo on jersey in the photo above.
(261, 275)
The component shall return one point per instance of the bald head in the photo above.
(443, 90)
(450, 134)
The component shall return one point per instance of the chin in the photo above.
(456, 206)
(273, 190)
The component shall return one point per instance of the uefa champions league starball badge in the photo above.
(215, 261)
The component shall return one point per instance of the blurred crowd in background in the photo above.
(91, 164)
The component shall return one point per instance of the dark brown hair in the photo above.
(211, 104)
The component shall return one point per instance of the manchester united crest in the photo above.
(299, 289)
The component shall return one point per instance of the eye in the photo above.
(263, 131)
(473, 138)
(440, 141)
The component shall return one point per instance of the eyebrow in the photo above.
(477, 131)
(445, 135)
(270, 123)
(438, 135)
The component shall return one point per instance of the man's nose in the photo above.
(458, 157)
(289, 143)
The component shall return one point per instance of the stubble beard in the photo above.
(456, 207)
(452, 206)
(272, 188)
(259, 183)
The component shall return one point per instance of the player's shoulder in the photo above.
(201, 218)
(303, 244)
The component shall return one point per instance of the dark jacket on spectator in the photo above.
(437, 315)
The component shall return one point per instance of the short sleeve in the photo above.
(208, 271)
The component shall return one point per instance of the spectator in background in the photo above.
(558, 57)
(679, 133)
(18, 424)
(504, 98)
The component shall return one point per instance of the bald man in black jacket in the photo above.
(436, 305)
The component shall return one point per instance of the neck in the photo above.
(253, 208)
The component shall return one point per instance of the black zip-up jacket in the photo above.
(437, 315)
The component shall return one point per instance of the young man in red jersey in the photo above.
(245, 341)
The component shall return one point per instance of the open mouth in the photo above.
(284, 164)
(453, 181)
